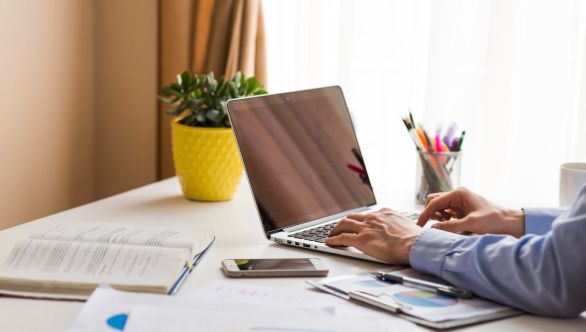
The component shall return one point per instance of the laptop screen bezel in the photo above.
(249, 104)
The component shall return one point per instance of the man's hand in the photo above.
(472, 213)
(385, 235)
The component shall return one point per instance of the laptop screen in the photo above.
(301, 156)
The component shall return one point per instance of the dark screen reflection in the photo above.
(275, 264)
(298, 153)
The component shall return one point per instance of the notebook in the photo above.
(303, 163)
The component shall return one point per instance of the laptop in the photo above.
(303, 163)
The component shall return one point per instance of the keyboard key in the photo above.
(317, 234)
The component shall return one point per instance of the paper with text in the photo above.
(62, 261)
(118, 234)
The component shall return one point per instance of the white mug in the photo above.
(572, 179)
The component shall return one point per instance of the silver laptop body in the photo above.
(303, 163)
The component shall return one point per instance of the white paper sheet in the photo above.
(218, 302)
(265, 318)
(107, 309)
(252, 296)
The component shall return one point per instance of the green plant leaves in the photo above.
(185, 78)
(175, 87)
(201, 99)
(167, 91)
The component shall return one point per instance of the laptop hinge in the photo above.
(269, 233)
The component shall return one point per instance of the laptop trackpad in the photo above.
(349, 249)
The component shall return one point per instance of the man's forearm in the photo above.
(525, 273)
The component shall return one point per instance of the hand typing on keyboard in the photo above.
(318, 234)
(385, 234)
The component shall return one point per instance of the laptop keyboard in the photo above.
(319, 234)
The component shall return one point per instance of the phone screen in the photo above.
(274, 264)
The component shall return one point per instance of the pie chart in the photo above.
(420, 298)
(117, 322)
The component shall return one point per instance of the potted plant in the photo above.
(205, 154)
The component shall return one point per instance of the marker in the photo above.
(450, 134)
(454, 145)
(438, 143)
(445, 147)
(461, 140)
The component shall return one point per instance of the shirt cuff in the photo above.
(538, 221)
(429, 250)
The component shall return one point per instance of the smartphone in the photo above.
(274, 267)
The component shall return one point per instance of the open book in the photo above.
(73, 259)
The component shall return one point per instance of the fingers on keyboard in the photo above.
(318, 234)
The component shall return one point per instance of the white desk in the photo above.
(238, 234)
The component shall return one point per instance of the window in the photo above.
(512, 73)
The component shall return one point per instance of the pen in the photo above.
(426, 285)
(412, 133)
(428, 141)
(188, 268)
(376, 301)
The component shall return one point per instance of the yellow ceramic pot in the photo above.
(207, 162)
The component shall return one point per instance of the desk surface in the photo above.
(238, 234)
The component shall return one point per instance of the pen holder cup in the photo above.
(437, 172)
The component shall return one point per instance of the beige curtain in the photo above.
(222, 36)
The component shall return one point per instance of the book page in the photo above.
(93, 263)
(119, 234)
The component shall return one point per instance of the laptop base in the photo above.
(283, 238)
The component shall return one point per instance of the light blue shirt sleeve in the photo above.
(540, 274)
(538, 220)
